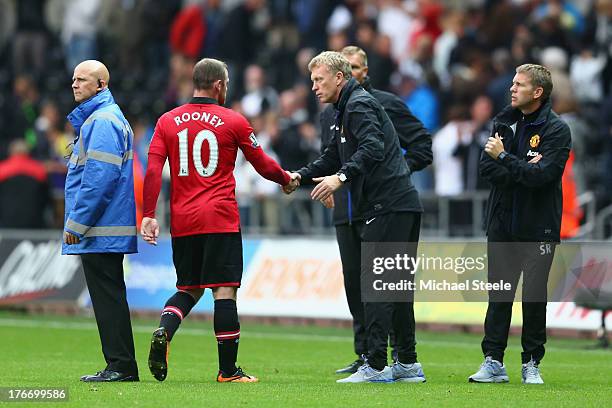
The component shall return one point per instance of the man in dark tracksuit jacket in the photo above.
(524, 162)
(415, 142)
(365, 154)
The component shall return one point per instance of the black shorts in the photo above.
(208, 260)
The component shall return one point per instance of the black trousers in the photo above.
(508, 257)
(381, 317)
(104, 276)
(349, 243)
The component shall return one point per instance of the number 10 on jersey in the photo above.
(213, 148)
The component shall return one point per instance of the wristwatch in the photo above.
(341, 176)
(502, 155)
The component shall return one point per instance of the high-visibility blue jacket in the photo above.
(99, 193)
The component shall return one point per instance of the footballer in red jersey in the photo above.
(201, 140)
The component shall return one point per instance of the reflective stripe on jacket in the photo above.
(99, 194)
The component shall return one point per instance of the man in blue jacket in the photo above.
(100, 213)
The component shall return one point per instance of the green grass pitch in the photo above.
(295, 366)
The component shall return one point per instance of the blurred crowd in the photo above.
(452, 62)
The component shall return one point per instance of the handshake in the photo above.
(294, 183)
(322, 192)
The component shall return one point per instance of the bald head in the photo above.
(90, 77)
(95, 68)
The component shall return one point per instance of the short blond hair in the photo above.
(354, 50)
(539, 77)
(334, 61)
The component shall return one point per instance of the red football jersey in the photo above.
(201, 140)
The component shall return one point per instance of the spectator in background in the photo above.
(24, 110)
(448, 168)
(8, 23)
(259, 97)
(53, 136)
(603, 40)
(423, 102)
(556, 60)
(337, 40)
(586, 75)
(427, 24)
(582, 137)
(30, 42)
(522, 45)
(569, 17)
(303, 56)
(180, 84)
(449, 176)
(240, 42)
(419, 96)
(497, 26)
(378, 49)
(469, 149)
(453, 22)
(395, 19)
(158, 16)
(292, 147)
(188, 30)
(311, 17)
(502, 79)
(254, 193)
(79, 31)
(214, 25)
(24, 190)
(548, 31)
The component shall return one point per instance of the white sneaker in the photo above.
(491, 371)
(531, 373)
(407, 372)
(365, 373)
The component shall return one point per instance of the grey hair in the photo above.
(334, 61)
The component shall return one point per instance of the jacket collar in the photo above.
(345, 94)
(367, 85)
(510, 115)
(203, 99)
(80, 114)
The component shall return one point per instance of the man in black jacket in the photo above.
(415, 142)
(364, 153)
(524, 161)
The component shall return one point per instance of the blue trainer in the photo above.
(491, 371)
(365, 373)
(408, 372)
(531, 373)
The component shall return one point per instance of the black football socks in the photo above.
(175, 310)
(227, 332)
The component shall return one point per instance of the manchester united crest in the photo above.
(534, 141)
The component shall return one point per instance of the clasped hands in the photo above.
(495, 146)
